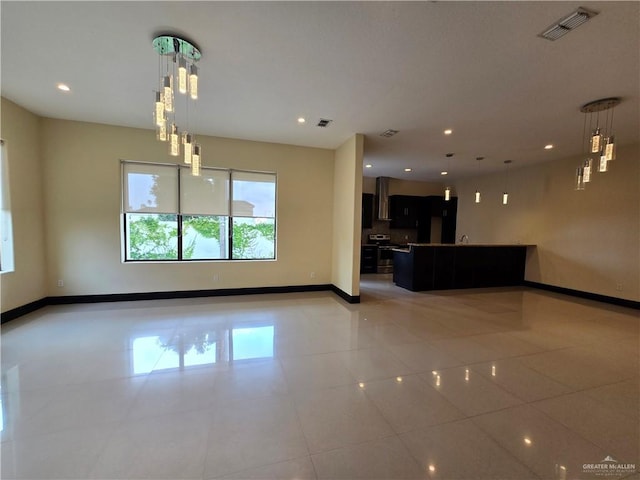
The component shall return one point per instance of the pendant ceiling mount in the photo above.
(600, 105)
(171, 45)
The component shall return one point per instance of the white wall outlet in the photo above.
(60, 283)
(216, 277)
(313, 275)
(619, 287)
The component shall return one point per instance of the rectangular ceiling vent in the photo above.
(388, 133)
(568, 23)
(323, 122)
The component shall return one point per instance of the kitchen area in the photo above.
(412, 238)
(402, 213)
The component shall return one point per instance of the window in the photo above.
(6, 226)
(169, 214)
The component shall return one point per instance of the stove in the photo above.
(385, 253)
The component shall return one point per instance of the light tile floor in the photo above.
(508, 383)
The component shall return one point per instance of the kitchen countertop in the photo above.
(410, 245)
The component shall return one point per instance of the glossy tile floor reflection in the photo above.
(476, 384)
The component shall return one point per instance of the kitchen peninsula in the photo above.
(431, 266)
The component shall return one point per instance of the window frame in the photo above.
(184, 169)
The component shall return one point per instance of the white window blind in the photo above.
(150, 188)
(207, 194)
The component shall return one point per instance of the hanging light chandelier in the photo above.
(177, 71)
(598, 141)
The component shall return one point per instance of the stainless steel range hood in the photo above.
(382, 194)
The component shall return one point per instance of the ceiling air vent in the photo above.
(323, 122)
(388, 133)
(568, 23)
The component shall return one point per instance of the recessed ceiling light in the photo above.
(407, 169)
(548, 147)
(368, 165)
(63, 87)
(301, 120)
(444, 173)
(448, 131)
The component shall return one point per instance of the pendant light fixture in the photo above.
(477, 196)
(584, 170)
(601, 141)
(505, 194)
(447, 190)
(177, 70)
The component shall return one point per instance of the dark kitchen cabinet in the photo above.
(368, 202)
(442, 267)
(369, 259)
(449, 214)
(424, 219)
(404, 211)
(436, 206)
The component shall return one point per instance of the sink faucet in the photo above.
(464, 239)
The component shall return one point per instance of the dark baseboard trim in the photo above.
(345, 296)
(23, 310)
(222, 292)
(129, 297)
(588, 295)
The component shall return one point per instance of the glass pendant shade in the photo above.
(477, 196)
(447, 194)
(161, 132)
(610, 148)
(187, 145)
(603, 165)
(196, 161)
(167, 93)
(174, 141)
(505, 198)
(193, 82)
(587, 169)
(159, 110)
(596, 141)
(182, 75)
(580, 178)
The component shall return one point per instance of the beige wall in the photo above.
(21, 131)
(83, 190)
(586, 240)
(347, 216)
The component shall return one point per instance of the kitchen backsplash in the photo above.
(398, 236)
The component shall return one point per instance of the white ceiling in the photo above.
(417, 67)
